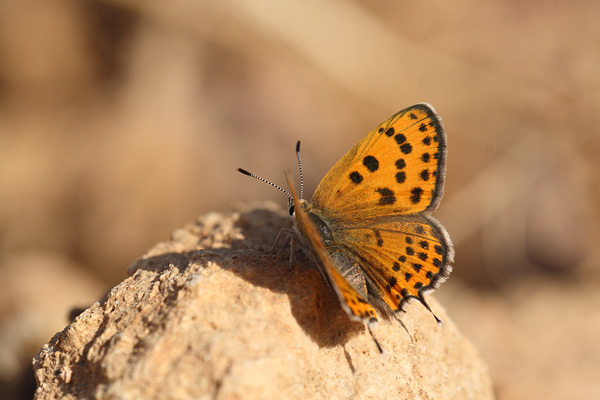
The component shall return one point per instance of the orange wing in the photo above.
(403, 256)
(352, 302)
(398, 168)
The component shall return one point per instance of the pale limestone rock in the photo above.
(211, 315)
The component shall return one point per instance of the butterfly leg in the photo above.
(291, 252)
(422, 300)
(287, 232)
(289, 236)
(379, 348)
(397, 318)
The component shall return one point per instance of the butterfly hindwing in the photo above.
(398, 168)
(403, 257)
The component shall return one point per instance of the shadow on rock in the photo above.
(240, 243)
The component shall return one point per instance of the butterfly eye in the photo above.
(292, 210)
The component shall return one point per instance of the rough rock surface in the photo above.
(211, 315)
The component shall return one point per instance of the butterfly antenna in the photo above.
(243, 171)
(300, 168)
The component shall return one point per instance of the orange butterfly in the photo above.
(369, 224)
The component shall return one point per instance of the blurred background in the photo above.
(121, 121)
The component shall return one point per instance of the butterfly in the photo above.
(368, 224)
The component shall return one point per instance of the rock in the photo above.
(212, 315)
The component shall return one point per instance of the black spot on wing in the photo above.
(416, 193)
(356, 177)
(371, 163)
(401, 177)
(378, 237)
(387, 196)
(400, 138)
(406, 148)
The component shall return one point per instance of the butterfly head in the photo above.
(292, 207)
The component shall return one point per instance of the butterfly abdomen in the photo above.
(347, 265)
(343, 259)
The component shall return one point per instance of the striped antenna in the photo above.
(243, 171)
(300, 168)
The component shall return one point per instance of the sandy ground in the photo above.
(120, 122)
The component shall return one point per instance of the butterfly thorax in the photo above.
(322, 226)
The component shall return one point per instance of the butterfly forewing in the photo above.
(398, 168)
